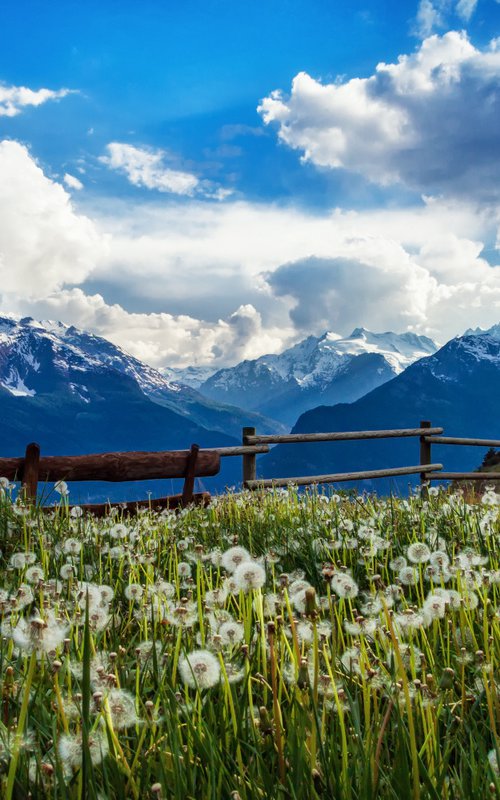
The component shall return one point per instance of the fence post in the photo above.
(249, 459)
(30, 472)
(425, 458)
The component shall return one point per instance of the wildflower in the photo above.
(24, 596)
(61, 487)
(39, 635)
(76, 512)
(67, 571)
(398, 563)
(439, 559)
(20, 560)
(233, 557)
(435, 606)
(121, 706)
(119, 531)
(134, 591)
(215, 597)
(184, 569)
(144, 651)
(408, 576)
(493, 762)
(34, 574)
(418, 553)
(234, 673)
(70, 748)
(72, 547)
(350, 660)
(231, 633)
(107, 593)
(199, 669)
(249, 575)
(344, 585)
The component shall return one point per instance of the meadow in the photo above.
(277, 645)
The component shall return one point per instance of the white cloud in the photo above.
(243, 278)
(72, 182)
(429, 17)
(14, 99)
(429, 121)
(466, 8)
(146, 167)
(44, 242)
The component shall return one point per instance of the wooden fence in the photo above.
(428, 471)
(197, 462)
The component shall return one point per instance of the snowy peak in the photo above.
(40, 356)
(493, 332)
(318, 370)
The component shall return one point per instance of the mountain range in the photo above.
(456, 388)
(74, 392)
(320, 370)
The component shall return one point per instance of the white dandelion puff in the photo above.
(249, 575)
(418, 553)
(233, 557)
(199, 669)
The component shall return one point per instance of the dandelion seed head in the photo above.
(418, 553)
(249, 575)
(232, 558)
(231, 633)
(408, 576)
(199, 669)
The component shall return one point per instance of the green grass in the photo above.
(339, 673)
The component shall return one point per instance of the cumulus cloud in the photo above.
(14, 99)
(429, 121)
(254, 278)
(161, 339)
(147, 168)
(44, 242)
(72, 182)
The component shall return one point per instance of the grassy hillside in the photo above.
(278, 646)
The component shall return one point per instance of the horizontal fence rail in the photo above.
(465, 476)
(458, 440)
(338, 436)
(427, 434)
(342, 476)
(126, 466)
(197, 462)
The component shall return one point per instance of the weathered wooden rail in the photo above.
(194, 463)
(427, 470)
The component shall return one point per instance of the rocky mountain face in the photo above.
(317, 371)
(457, 388)
(77, 393)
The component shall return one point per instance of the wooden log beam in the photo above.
(465, 476)
(339, 436)
(127, 466)
(459, 440)
(242, 450)
(341, 476)
(131, 508)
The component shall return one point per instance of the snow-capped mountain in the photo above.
(457, 388)
(318, 370)
(40, 357)
(494, 331)
(188, 376)
(77, 393)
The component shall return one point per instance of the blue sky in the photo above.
(189, 163)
